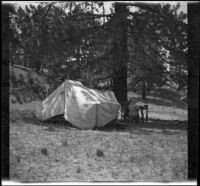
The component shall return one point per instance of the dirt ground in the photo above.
(156, 151)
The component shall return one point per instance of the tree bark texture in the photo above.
(143, 90)
(25, 58)
(120, 57)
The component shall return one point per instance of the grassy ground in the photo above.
(163, 104)
(156, 151)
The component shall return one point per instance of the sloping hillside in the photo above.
(25, 85)
(20, 71)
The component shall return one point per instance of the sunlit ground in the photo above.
(156, 151)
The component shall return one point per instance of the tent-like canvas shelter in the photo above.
(83, 107)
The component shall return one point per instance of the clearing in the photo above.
(156, 151)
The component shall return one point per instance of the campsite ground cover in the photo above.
(156, 151)
(137, 154)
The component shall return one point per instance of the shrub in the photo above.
(26, 91)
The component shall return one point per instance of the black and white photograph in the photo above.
(98, 91)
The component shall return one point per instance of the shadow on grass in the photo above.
(165, 102)
(162, 102)
(165, 93)
(167, 127)
(163, 97)
(169, 97)
(56, 122)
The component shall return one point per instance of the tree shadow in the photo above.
(165, 93)
(166, 97)
(161, 102)
(165, 102)
(162, 97)
(166, 127)
(53, 123)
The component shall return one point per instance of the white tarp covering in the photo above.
(83, 107)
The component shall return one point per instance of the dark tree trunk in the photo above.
(143, 90)
(179, 77)
(12, 60)
(103, 13)
(37, 61)
(25, 59)
(148, 87)
(120, 58)
(92, 7)
(120, 85)
(70, 9)
(77, 70)
(37, 66)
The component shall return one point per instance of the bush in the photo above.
(26, 92)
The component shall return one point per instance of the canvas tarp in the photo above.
(83, 107)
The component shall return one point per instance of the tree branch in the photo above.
(151, 7)
(162, 43)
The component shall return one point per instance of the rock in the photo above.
(100, 153)
(44, 151)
